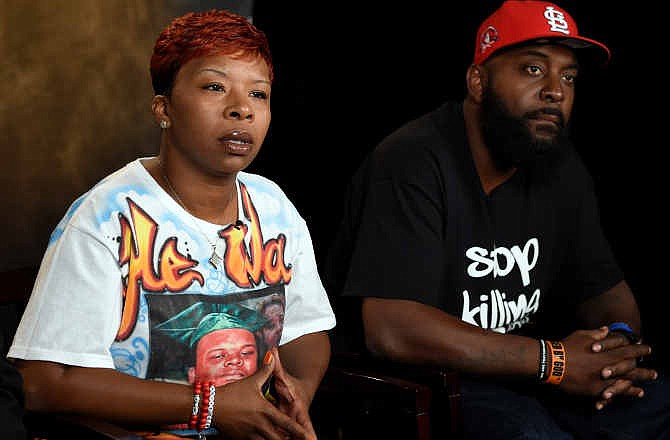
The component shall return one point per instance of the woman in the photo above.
(184, 227)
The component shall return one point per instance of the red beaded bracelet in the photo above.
(193, 420)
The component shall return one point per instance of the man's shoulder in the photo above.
(427, 126)
(428, 140)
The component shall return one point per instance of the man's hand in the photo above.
(626, 372)
(604, 365)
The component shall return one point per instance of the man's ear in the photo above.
(475, 80)
(159, 108)
(191, 374)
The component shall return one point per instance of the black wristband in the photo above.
(624, 329)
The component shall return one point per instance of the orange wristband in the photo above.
(558, 362)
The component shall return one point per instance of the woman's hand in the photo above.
(291, 396)
(242, 412)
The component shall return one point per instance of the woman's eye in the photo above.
(259, 94)
(214, 87)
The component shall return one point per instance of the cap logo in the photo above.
(556, 20)
(487, 38)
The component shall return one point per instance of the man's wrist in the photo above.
(624, 329)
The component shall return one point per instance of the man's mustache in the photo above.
(535, 114)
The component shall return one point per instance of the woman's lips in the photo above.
(237, 142)
(236, 147)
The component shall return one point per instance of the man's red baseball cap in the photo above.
(518, 21)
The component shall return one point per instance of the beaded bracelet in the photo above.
(197, 390)
(542, 368)
(207, 407)
(557, 363)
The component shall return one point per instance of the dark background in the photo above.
(349, 74)
(76, 99)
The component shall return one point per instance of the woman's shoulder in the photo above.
(110, 193)
(268, 197)
(256, 183)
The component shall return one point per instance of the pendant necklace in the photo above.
(215, 259)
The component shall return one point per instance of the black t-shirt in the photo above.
(418, 226)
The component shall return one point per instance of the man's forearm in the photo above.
(412, 332)
(617, 304)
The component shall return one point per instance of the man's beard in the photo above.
(510, 140)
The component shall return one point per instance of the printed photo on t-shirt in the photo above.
(197, 337)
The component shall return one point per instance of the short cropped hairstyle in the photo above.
(197, 34)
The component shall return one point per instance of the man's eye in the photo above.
(534, 70)
(569, 77)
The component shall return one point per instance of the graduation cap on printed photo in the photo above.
(201, 318)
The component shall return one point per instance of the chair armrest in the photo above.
(352, 404)
(67, 426)
(446, 399)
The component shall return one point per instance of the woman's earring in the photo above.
(163, 124)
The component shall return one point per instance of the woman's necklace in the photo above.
(215, 259)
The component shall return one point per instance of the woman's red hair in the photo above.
(197, 34)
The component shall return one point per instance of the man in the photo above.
(471, 240)
(221, 338)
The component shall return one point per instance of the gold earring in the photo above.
(163, 124)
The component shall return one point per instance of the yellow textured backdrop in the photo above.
(75, 96)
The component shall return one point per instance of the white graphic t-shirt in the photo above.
(132, 281)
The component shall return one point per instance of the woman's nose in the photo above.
(239, 113)
(239, 109)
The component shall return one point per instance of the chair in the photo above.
(68, 427)
(353, 404)
(390, 400)
(398, 401)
